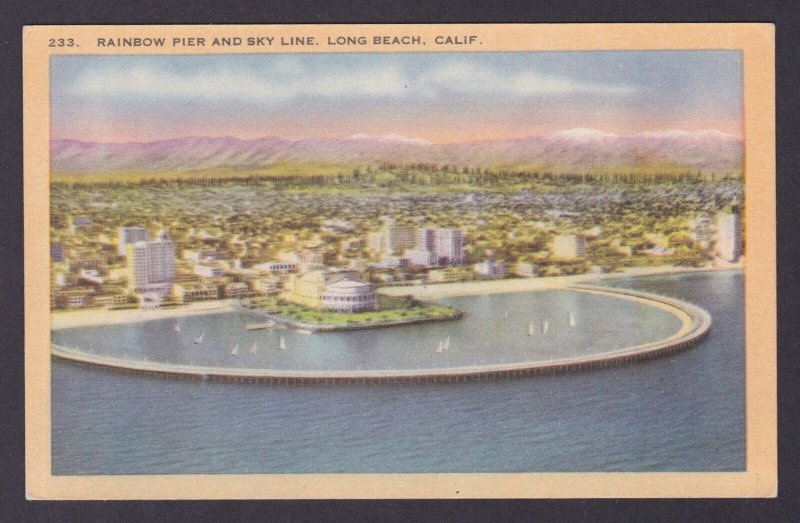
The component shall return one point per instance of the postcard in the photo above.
(400, 261)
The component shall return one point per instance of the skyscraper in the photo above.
(729, 236)
(436, 247)
(151, 265)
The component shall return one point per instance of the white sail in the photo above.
(253, 348)
(505, 315)
(177, 327)
(235, 349)
(530, 329)
(440, 348)
(199, 339)
(282, 343)
(447, 343)
(545, 327)
(571, 319)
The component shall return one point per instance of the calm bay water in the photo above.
(682, 412)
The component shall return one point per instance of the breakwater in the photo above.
(694, 325)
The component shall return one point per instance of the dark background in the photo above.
(14, 14)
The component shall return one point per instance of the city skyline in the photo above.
(441, 98)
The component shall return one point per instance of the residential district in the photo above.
(163, 245)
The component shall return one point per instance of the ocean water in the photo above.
(683, 412)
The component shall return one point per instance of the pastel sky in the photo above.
(441, 97)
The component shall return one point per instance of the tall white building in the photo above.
(437, 247)
(151, 266)
(729, 236)
(129, 235)
(569, 246)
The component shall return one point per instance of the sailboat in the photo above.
(235, 349)
(177, 327)
(505, 315)
(198, 340)
(441, 347)
(447, 343)
(571, 319)
(282, 343)
(530, 329)
(253, 347)
(545, 326)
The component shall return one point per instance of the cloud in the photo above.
(466, 77)
(289, 79)
(226, 84)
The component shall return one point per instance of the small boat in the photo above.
(530, 329)
(177, 327)
(253, 347)
(235, 349)
(440, 348)
(571, 319)
(304, 331)
(198, 340)
(545, 327)
(282, 343)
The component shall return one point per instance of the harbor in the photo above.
(694, 324)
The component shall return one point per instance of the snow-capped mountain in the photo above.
(577, 149)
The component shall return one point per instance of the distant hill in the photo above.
(578, 150)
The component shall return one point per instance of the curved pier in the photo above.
(695, 324)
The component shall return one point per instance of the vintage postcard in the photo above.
(409, 261)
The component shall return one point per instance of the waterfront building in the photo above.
(438, 247)
(306, 289)
(189, 292)
(391, 262)
(267, 285)
(729, 236)
(422, 258)
(569, 246)
(490, 269)
(449, 275)
(129, 235)
(151, 266)
(527, 270)
(237, 290)
(349, 296)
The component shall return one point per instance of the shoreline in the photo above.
(475, 288)
(96, 317)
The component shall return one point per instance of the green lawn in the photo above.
(392, 309)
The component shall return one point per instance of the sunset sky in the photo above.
(440, 97)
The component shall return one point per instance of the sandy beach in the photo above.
(89, 317)
(449, 290)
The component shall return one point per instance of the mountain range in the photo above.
(573, 149)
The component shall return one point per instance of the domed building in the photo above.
(349, 296)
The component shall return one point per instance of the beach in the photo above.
(472, 288)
